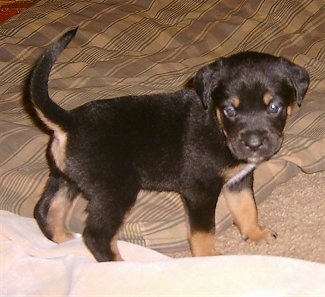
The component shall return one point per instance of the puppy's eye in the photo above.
(274, 107)
(229, 111)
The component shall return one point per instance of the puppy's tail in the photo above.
(48, 111)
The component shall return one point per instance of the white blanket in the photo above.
(31, 265)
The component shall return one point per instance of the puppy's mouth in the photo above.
(254, 146)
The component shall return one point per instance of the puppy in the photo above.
(196, 141)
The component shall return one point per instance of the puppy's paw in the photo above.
(261, 235)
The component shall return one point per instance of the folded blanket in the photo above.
(33, 266)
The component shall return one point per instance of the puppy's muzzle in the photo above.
(254, 146)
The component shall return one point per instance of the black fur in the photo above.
(165, 142)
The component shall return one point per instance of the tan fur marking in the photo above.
(115, 249)
(267, 98)
(202, 244)
(218, 112)
(235, 101)
(57, 216)
(58, 146)
(243, 209)
(58, 149)
(78, 203)
(219, 115)
(289, 110)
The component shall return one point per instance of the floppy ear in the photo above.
(206, 80)
(299, 78)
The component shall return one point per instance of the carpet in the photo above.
(295, 210)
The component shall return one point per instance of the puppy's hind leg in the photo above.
(51, 210)
(106, 211)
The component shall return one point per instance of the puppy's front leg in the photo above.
(202, 243)
(241, 204)
(201, 222)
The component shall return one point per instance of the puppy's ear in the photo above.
(206, 80)
(299, 78)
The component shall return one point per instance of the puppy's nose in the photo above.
(253, 141)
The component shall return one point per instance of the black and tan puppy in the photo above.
(195, 142)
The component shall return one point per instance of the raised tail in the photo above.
(49, 112)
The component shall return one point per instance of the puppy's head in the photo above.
(252, 94)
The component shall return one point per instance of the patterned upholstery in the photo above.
(141, 47)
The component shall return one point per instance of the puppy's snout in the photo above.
(253, 140)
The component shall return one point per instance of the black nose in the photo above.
(252, 140)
